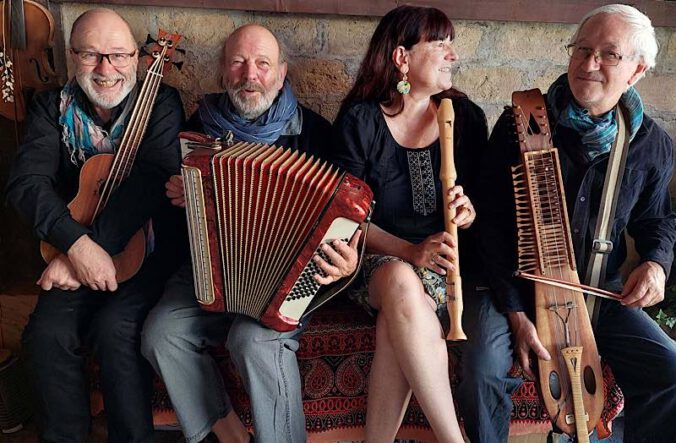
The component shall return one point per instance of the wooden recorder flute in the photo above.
(448, 175)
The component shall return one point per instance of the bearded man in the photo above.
(81, 301)
(258, 106)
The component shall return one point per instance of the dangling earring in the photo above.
(404, 87)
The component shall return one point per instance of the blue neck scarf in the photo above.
(597, 133)
(219, 116)
(80, 133)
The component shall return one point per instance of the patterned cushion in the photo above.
(334, 358)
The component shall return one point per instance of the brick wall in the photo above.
(495, 57)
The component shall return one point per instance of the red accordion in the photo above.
(257, 214)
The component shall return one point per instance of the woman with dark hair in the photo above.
(387, 134)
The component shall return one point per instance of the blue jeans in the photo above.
(62, 323)
(176, 338)
(485, 389)
(641, 355)
(643, 359)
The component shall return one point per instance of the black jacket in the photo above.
(44, 179)
(643, 209)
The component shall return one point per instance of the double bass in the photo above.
(571, 383)
(101, 174)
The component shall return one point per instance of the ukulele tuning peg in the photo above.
(142, 52)
(181, 50)
(149, 40)
(178, 65)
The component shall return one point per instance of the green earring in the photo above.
(404, 87)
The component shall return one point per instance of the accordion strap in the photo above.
(602, 245)
(343, 283)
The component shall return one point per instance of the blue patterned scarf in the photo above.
(219, 116)
(598, 133)
(81, 135)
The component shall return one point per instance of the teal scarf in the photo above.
(81, 135)
(597, 133)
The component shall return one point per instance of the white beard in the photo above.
(250, 108)
(102, 100)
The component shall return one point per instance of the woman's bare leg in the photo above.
(416, 346)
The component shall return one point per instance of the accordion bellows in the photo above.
(257, 214)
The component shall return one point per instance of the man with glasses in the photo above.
(81, 301)
(611, 50)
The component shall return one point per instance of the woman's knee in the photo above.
(397, 290)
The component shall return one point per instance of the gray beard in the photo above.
(248, 110)
(86, 84)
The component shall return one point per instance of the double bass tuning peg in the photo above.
(178, 65)
(181, 50)
(150, 40)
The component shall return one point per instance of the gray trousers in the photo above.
(176, 337)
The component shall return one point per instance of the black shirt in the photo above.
(643, 208)
(44, 179)
(405, 182)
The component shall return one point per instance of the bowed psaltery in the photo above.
(571, 383)
(448, 175)
(102, 174)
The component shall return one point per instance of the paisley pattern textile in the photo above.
(334, 358)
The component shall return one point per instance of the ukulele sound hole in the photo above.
(589, 380)
(554, 385)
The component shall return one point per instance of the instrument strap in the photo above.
(602, 246)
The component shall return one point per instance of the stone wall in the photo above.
(325, 51)
(496, 58)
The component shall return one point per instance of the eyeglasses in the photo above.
(117, 59)
(602, 57)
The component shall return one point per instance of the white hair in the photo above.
(642, 36)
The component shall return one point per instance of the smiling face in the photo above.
(430, 66)
(598, 87)
(252, 72)
(104, 32)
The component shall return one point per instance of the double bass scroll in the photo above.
(448, 175)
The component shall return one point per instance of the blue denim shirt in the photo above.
(643, 209)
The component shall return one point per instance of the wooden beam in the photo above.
(662, 13)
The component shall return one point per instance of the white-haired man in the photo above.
(258, 106)
(81, 300)
(611, 50)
